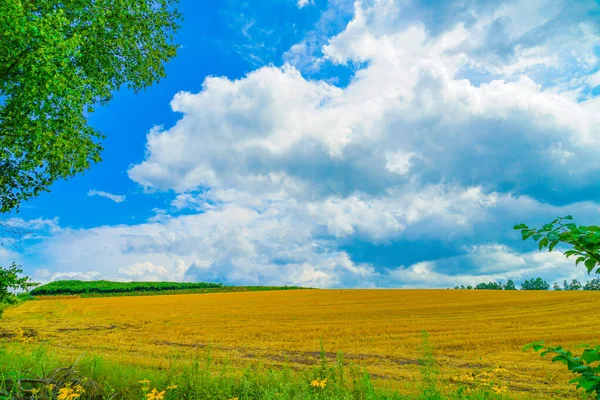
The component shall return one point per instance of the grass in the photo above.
(204, 376)
(376, 330)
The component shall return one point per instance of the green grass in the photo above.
(34, 366)
(109, 288)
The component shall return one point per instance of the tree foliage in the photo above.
(510, 285)
(583, 240)
(586, 365)
(594, 284)
(535, 284)
(58, 60)
(574, 285)
(11, 282)
(489, 286)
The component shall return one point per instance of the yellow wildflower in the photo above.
(499, 389)
(79, 389)
(156, 395)
(234, 398)
(67, 393)
(499, 370)
(145, 382)
(319, 383)
(50, 387)
(171, 387)
(35, 391)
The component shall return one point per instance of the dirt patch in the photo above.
(4, 334)
(88, 328)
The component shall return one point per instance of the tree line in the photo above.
(535, 284)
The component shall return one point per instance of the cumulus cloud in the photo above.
(452, 128)
(114, 197)
(302, 3)
(145, 271)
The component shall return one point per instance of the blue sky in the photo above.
(335, 143)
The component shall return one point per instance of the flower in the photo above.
(35, 391)
(170, 387)
(156, 395)
(144, 382)
(499, 389)
(234, 398)
(319, 383)
(67, 393)
(499, 370)
(79, 389)
(50, 387)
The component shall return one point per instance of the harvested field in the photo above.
(472, 331)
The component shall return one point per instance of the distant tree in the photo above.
(58, 60)
(594, 284)
(462, 287)
(469, 287)
(574, 285)
(535, 284)
(510, 285)
(557, 287)
(489, 286)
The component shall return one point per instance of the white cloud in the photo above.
(449, 135)
(145, 271)
(114, 197)
(302, 3)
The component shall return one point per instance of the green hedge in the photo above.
(83, 287)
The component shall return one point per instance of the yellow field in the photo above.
(380, 329)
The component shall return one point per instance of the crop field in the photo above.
(472, 331)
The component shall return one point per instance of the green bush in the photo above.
(82, 287)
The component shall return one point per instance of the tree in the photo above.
(489, 286)
(574, 285)
(11, 283)
(59, 60)
(535, 284)
(510, 285)
(557, 287)
(594, 284)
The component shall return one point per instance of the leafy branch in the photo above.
(585, 240)
(587, 365)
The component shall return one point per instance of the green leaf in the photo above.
(553, 245)
(587, 384)
(590, 264)
(520, 226)
(526, 234)
(543, 243)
